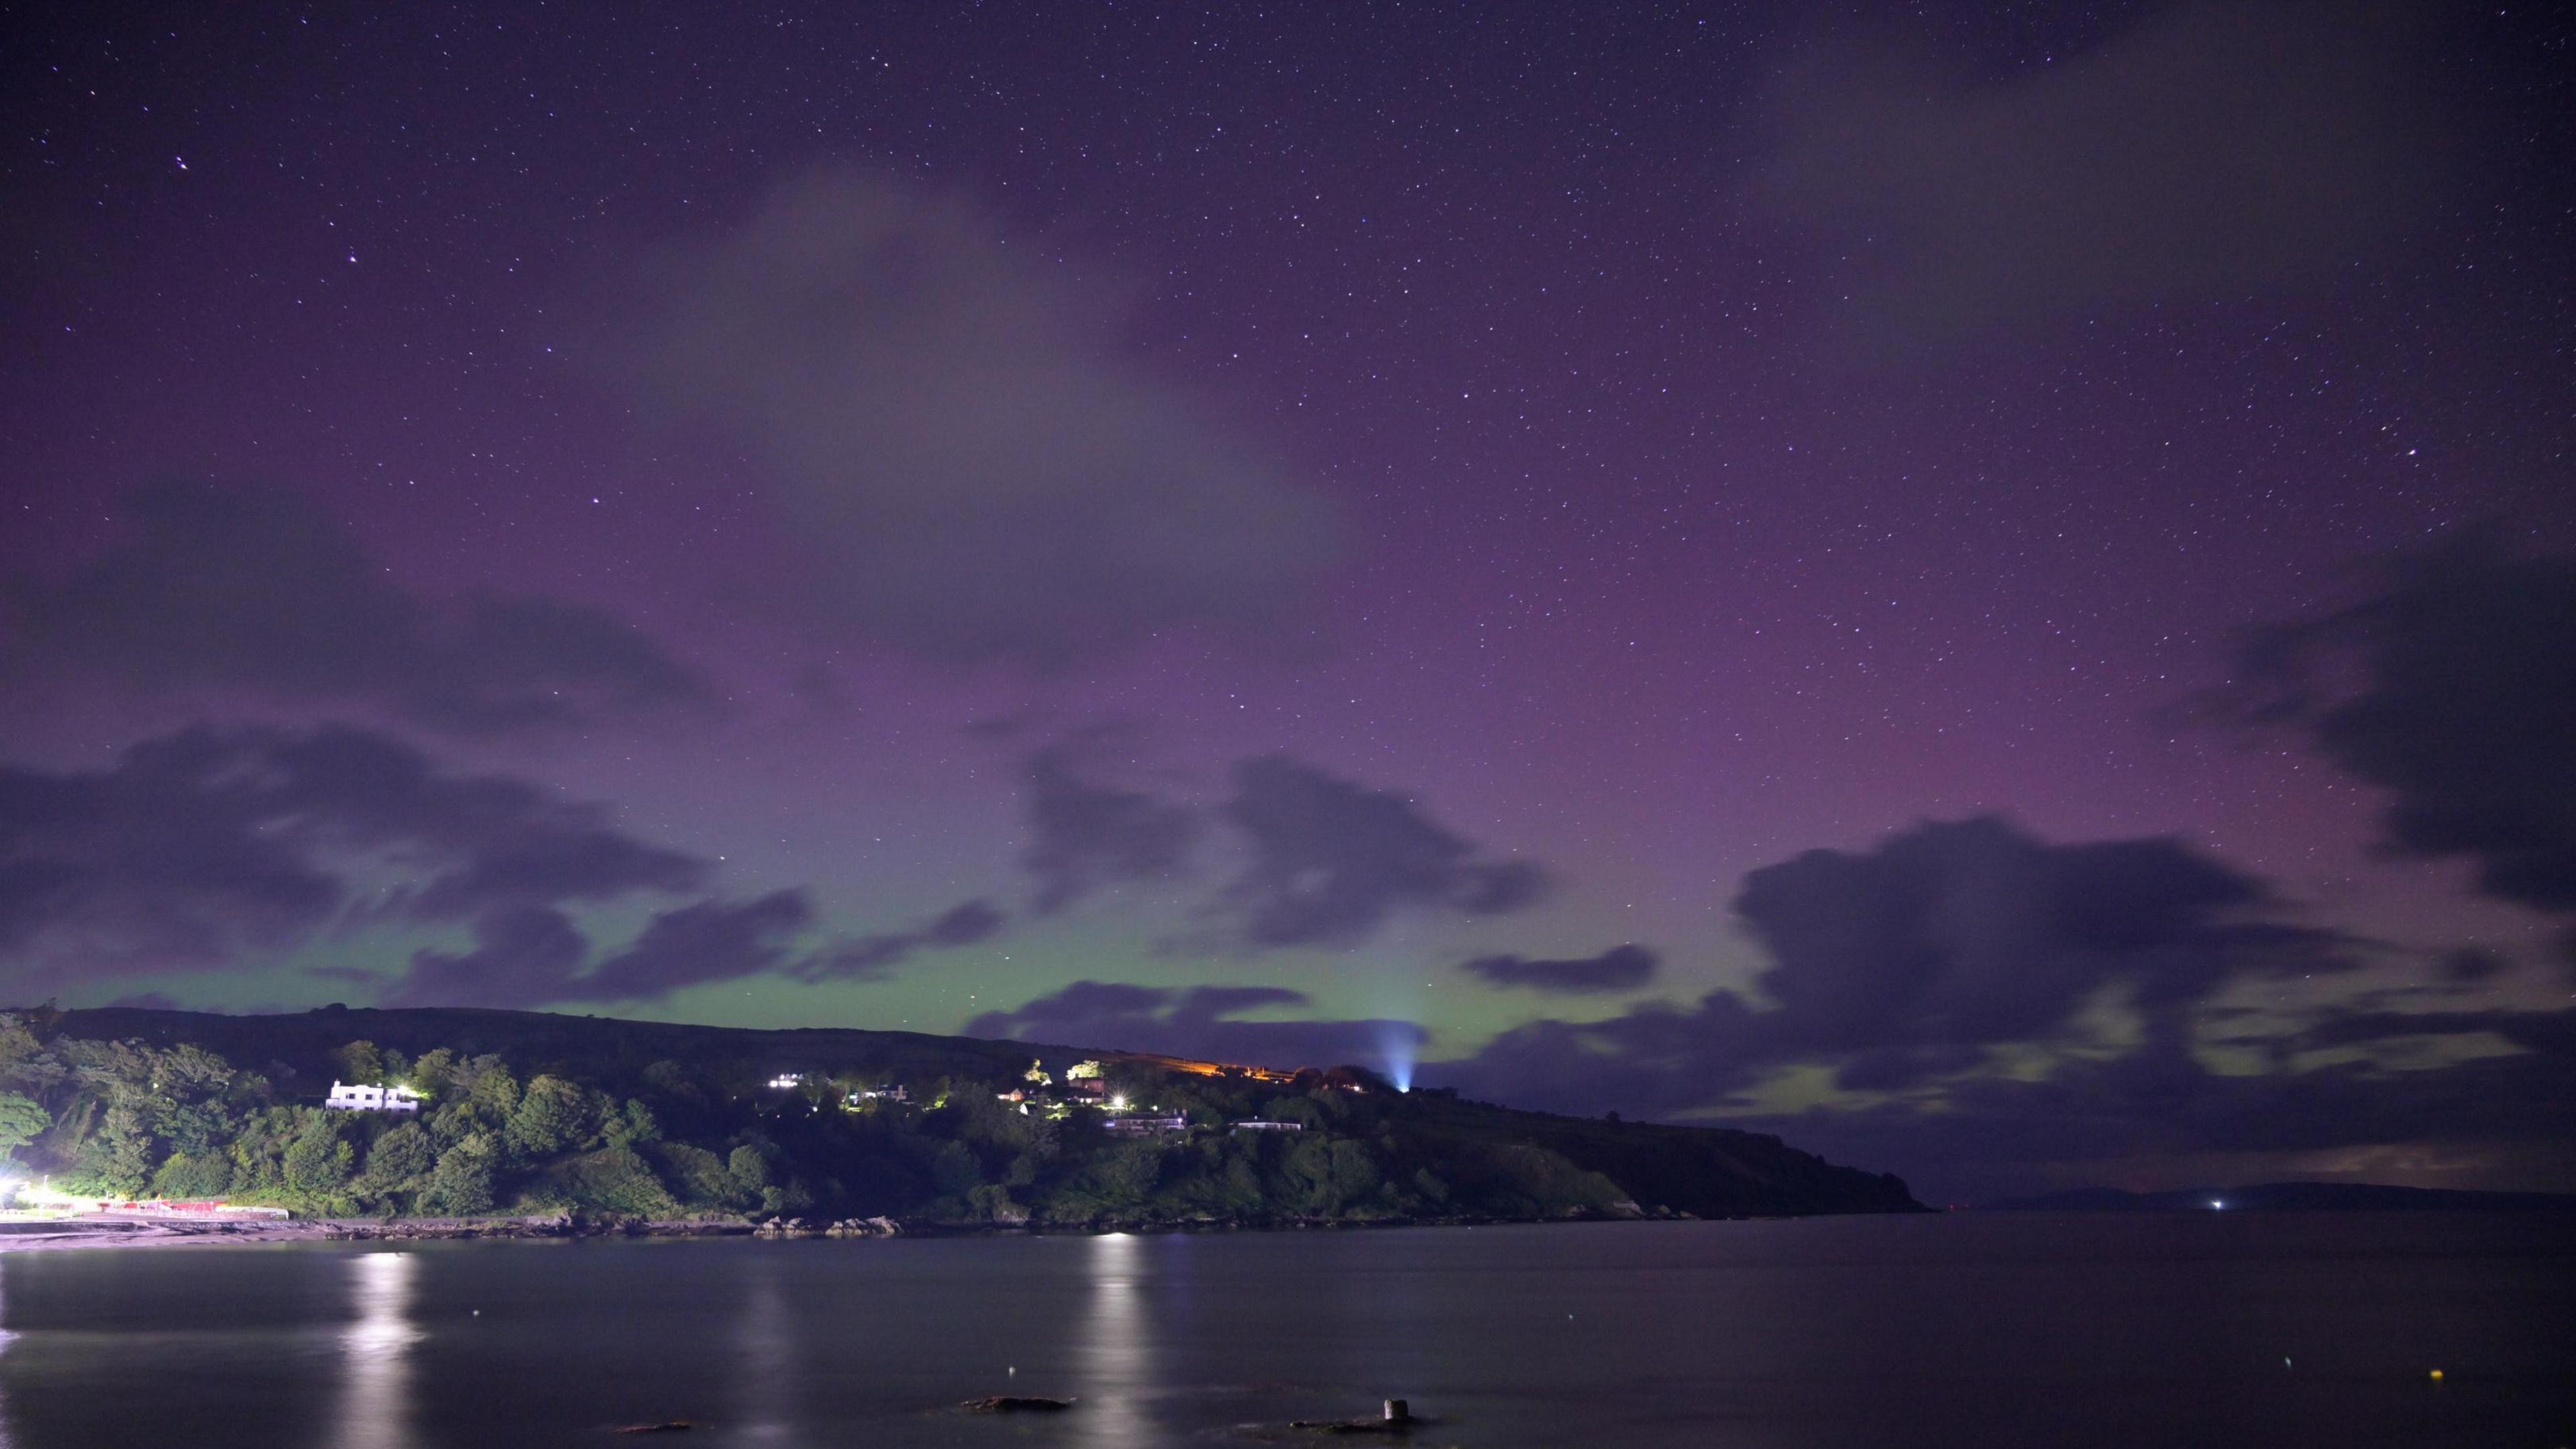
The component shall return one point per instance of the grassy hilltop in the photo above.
(531, 1111)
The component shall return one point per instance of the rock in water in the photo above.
(1015, 1404)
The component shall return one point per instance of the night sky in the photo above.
(1991, 589)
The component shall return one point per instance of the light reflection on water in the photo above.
(765, 1347)
(1970, 1331)
(5, 1336)
(375, 1353)
(1113, 1356)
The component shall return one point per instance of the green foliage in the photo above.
(954, 1170)
(25, 1064)
(697, 1177)
(434, 1074)
(634, 1126)
(552, 1117)
(117, 1161)
(194, 1177)
(462, 1183)
(746, 1173)
(613, 1179)
(398, 1167)
(488, 1085)
(318, 1164)
(564, 1124)
(1327, 1175)
(22, 1120)
(360, 1063)
(992, 1203)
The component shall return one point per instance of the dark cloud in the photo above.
(2205, 152)
(1906, 963)
(966, 464)
(1960, 935)
(871, 957)
(2453, 688)
(706, 941)
(1331, 860)
(1620, 968)
(1197, 1021)
(2160, 1115)
(1901, 968)
(259, 589)
(198, 848)
(532, 956)
(1088, 834)
(522, 956)
(2470, 966)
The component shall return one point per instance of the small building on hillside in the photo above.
(1083, 1082)
(1261, 1124)
(1145, 1126)
(350, 1097)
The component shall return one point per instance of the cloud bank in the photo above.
(2452, 687)
(1325, 861)
(2204, 152)
(1621, 968)
(211, 847)
(1197, 1021)
(1333, 860)
(963, 462)
(259, 589)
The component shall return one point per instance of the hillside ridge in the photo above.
(541, 1112)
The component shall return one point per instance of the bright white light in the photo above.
(2217, 1204)
(1396, 1044)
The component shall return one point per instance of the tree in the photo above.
(193, 1176)
(634, 1126)
(360, 1063)
(119, 1159)
(1330, 1174)
(489, 1085)
(433, 1073)
(401, 1161)
(22, 1120)
(462, 1183)
(552, 1117)
(24, 1062)
(319, 1163)
(1129, 1173)
(749, 1172)
(954, 1169)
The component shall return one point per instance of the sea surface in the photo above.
(1968, 1329)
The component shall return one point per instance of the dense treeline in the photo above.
(602, 1134)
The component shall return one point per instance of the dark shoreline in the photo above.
(138, 1232)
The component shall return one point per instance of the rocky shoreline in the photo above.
(120, 1232)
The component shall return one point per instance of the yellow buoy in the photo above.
(2437, 1376)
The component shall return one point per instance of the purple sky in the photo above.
(1325, 526)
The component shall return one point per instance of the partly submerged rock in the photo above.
(1015, 1404)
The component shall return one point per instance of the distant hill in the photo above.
(2288, 1197)
(534, 1111)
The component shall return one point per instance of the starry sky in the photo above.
(1991, 589)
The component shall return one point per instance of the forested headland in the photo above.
(614, 1121)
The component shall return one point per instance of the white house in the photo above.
(354, 1098)
(1143, 1126)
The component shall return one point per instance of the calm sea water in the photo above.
(1962, 1330)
